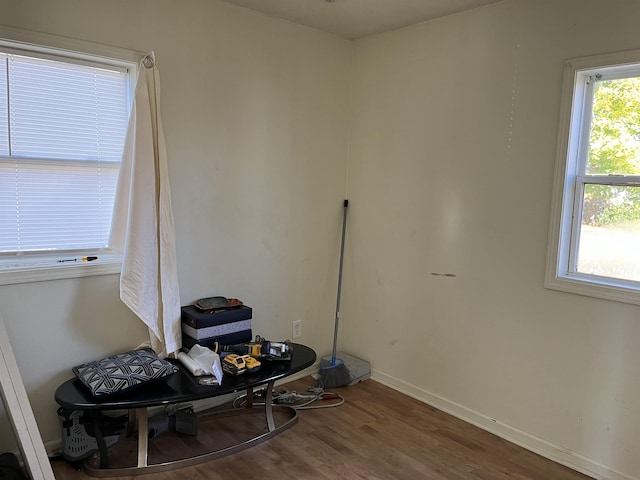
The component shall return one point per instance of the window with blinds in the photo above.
(62, 129)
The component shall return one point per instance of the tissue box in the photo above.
(227, 327)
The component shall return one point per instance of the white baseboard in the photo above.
(530, 442)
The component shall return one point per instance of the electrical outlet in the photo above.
(297, 329)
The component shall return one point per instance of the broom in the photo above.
(333, 371)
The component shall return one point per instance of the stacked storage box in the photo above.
(227, 327)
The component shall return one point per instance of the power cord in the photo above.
(291, 399)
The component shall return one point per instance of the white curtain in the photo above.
(143, 228)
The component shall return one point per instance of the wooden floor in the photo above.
(377, 434)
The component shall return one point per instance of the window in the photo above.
(63, 121)
(595, 235)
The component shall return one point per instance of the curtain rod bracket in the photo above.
(148, 61)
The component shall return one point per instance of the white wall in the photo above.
(255, 113)
(452, 158)
(451, 170)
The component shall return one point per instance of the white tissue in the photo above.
(207, 360)
(191, 365)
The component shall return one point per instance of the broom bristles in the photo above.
(334, 373)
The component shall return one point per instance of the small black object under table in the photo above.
(184, 387)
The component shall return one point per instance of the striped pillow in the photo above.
(122, 372)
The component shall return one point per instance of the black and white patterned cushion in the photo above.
(121, 372)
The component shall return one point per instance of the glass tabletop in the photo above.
(182, 386)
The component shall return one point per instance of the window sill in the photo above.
(44, 270)
(595, 287)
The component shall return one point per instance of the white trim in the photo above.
(538, 445)
(59, 272)
(581, 285)
(44, 42)
(18, 407)
(14, 48)
(605, 60)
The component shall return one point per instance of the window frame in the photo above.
(570, 179)
(40, 266)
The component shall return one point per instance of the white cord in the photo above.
(305, 407)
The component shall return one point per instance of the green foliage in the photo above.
(618, 214)
(614, 140)
(607, 205)
(614, 148)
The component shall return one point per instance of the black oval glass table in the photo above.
(184, 387)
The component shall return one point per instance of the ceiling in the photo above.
(359, 18)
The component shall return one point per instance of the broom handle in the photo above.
(335, 328)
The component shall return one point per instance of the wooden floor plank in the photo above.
(377, 434)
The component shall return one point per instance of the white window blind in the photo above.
(62, 129)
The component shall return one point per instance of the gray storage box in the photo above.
(359, 370)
